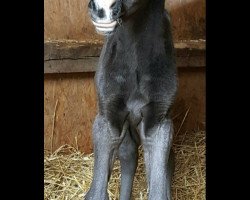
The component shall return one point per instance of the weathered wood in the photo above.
(69, 49)
(77, 107)
(64, 19)
(71, 123)
(72, 56)
(87, 64)
(75, 93)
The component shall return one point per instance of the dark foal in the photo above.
(136, 85)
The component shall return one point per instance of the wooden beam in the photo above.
(72, 56)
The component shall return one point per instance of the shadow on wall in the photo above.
(189, 108)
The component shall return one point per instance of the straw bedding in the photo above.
(68, 172)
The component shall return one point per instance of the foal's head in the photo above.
(107, 14)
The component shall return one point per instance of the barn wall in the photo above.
(69, 121)
(190, 101)
(69, 19)
(70, 99)
(69, 110)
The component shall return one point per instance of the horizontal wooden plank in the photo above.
(56, 50)
(74, 56)
(87, 64)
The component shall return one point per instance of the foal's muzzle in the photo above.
(106, 18)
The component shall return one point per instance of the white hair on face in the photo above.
(105, 5)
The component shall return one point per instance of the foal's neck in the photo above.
(146, 22)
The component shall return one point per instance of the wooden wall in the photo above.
(69, 110)
(69, 19)
(70, 99)
(70, 107)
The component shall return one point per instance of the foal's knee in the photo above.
(106, 134)
(155, 115)
(158, 135)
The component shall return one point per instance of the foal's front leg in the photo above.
(106, 142)
(157, 140)
(128, 155)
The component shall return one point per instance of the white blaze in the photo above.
(105, 5)
(106, 24)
